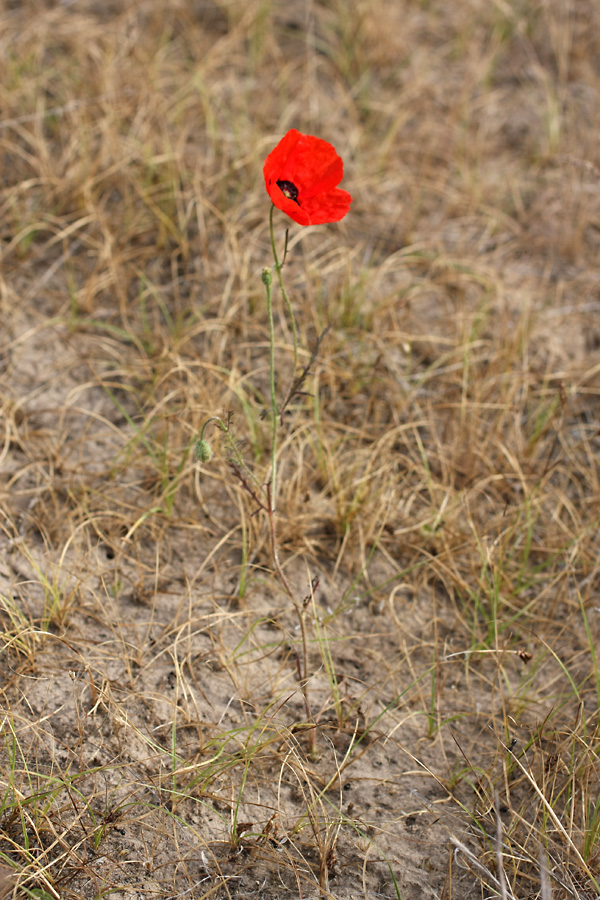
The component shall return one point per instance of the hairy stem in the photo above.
(278, 268)
(272, 492)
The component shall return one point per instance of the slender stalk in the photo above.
(271, 489)
(278, 268)
(267, 278)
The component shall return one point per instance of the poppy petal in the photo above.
(314, 165)
(287, 205)
(329, 207)
(277, 158)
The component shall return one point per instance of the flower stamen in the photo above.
(289, 189)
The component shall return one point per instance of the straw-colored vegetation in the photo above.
(424, 720)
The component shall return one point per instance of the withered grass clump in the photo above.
(439, 494)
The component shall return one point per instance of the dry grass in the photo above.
(440, 477)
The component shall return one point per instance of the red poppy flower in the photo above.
(301, 177)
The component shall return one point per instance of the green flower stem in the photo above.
(267, 278)
(278, 268)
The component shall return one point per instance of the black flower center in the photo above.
(289, 189)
